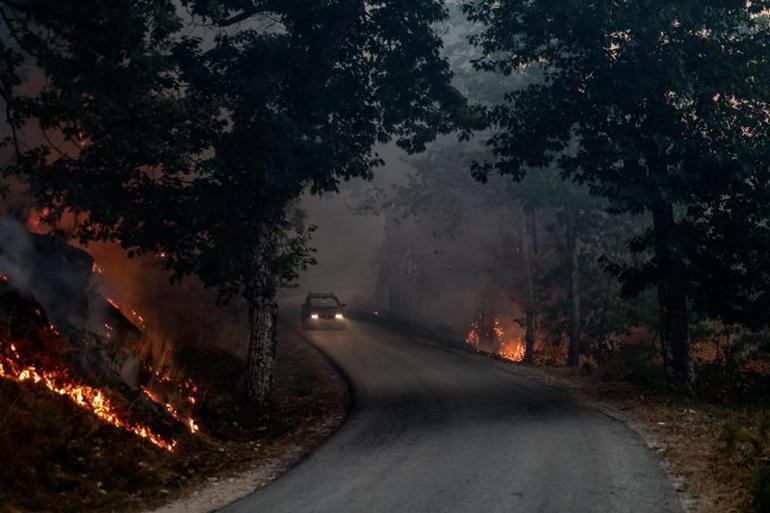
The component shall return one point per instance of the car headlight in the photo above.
(339, 316)
(314, 317)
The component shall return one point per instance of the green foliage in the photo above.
(647, 103)
(735, 438)
(194, 136)
(636, 363)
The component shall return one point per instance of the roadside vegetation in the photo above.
(592, 190)
(628, 244)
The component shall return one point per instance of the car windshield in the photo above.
(324, 302)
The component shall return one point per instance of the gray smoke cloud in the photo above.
(15, 253)
(56, 274)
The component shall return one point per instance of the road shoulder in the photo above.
(307, 384)
(623, 405)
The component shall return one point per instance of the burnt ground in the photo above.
(57, 458)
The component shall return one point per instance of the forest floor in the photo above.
(98, 469)
(688, 434)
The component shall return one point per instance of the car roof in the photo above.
(322, 294)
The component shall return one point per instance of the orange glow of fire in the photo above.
(130, 313)
(35, 222)
(512, 350)
(188, 422)
(188, 388)
(88, 398)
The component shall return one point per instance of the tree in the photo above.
(196, 147)
(666, 103)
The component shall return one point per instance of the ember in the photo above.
(188, 422)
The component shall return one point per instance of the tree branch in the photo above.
(237, 18)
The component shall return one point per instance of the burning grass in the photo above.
(88, 398)
(488, 335)
(60, 458)
(103, 409)
(33, 351)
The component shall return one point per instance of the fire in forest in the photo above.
(63, 356)
(186, 389)
(89, 398)
(488, 335)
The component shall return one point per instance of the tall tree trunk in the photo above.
(532, 221)
(602, 346)
(263, 317)
(672, 300)
(573, 289)
(529, 337)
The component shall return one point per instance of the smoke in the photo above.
(56, 274)
(179, 316)
(15, 253)
(350, 232)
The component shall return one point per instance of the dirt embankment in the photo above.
(65, 461)
(689, 435)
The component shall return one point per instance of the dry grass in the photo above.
(57, 458)
(689, 434)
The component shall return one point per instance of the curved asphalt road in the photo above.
(434, 432)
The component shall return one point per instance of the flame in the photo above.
(35, 223)
(187, 388)
(513, 350)
(188, 422)
(88, 398)
(130, 313)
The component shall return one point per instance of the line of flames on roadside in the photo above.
(93, 399)
(88, 398)
(188, 422)
(512, 350)
(187, 387)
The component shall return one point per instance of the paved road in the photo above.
(434, 432)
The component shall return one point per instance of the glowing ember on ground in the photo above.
(514, 352)
(189, 423)
(85, 397)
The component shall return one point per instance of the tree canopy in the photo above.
(191, 132)
(190, 142)
(666, 105)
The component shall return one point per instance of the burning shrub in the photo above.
(488, 335)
